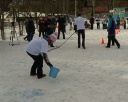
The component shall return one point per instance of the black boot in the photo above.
(83, 47)
(41, 76)
(52, 45)
(118, 46)
(107, 46)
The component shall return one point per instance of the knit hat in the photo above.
(53, 36)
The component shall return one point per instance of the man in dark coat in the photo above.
(26, 28)
(49, 27)
(92, 21)
(61, 26)
(31, 29)
(42, 26)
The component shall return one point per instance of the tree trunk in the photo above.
(2, 27)
(2, 22)
(36, 19)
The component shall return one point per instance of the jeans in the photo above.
(30, 36)
(81, 32)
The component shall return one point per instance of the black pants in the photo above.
(98, 25)
(62, 33)
(26, 37)
(104, 26)
(81, 32)
(37, 65)
(113, 42)
(91, 25)
(112, 38)
(124, 26)
(43, 33)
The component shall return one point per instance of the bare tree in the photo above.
(2, 20)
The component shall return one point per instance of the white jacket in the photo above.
(79, 21)
(37, 46)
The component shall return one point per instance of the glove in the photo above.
(49, 64)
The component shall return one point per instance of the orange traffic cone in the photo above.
(102, 42)
(56, 26)
(117, 31)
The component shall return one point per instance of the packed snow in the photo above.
(94, 74)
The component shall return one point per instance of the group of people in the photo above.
(98, 21)
(118, 22)
(37, 48)
(111, 27)
(104, 21)
(46, 26)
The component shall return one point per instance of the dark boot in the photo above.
(107, 46)
(41, 76)
(83, 44)
(118, 46)
(58, 34)
(83, 47)
(52, 45)
(63, 35)
(33, 74)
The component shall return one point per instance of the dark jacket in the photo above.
(111, 27)
(61, 23)
(42, 25)
(92, 20)
(49, 26)
(31, 26)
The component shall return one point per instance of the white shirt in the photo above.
(105, 21)
(98, 20)
(37, 46)
(79, 21)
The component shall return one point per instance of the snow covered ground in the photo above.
(94, 74)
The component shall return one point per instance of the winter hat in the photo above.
(53, 36)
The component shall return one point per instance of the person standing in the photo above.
(92, 21)
(54, 23)
(61, 26)
(80, 25)
(31, 29)
(49, 27)
(111, 32)
(42, 26)
(26, 28)
(118, 22)
(70, 23)
(37, 50)
(104, 22)
(98, 22)
(124, 24)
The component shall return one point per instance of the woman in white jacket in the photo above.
(37, 50)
